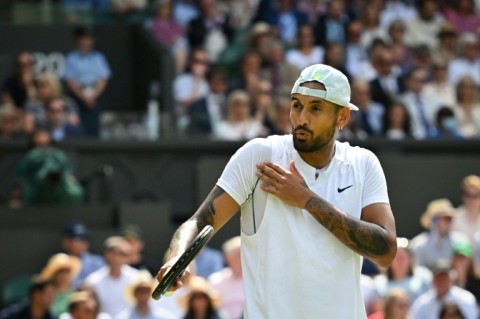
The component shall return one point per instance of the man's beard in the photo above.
(318, 143)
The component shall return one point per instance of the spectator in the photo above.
(208, 261)
(447, 42)
(19, 87)
(190, 86)
(463, 264)
(249, 73)
(57, 122)
(61, 269)
(467, 108)
(468, 219)
(81, 305)
(239, 124)
(371, 29)
(279, 72)
(77, 10)
(305, 52)
(401, 52)
(439, 88)
(396, 10)
(241, 13)
(428, 305)
(185, 11)
(312, 8)
(437, 243)
(421, 58)
(356, 60)
(335, 57)
(450, 310)
(423, 28)
(228, 282)
(110, 281)
(281, 118)
(372, 299)
(45, 175)
(422, 109)
(75, 242)
(397, 305)
(263, 103)
(211, 30)
(200, 302)
(387, 84)
(41, 295)
(86, 75)
(283, 16)
(463, 16)
(133, 235)
(208, 111)
(10, 124)
(169, 33)
(127, 8)
(468, 62)
(370, 114)
(397, 122)
(260, 40)
(446, 124)
(332, 26)
(139, 293)
(48, 88)
(404, 274)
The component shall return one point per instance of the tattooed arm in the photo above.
(216, 210)
(373, 236)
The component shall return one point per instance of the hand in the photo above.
(181, 281)
(289, 186)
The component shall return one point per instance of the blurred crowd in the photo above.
(413, 66)
(435, 275)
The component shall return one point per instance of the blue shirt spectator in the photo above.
(208, 261)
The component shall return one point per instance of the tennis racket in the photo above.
(185, 259)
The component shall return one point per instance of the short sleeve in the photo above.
(238, 178)
(375, 186)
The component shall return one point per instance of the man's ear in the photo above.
(343, 117)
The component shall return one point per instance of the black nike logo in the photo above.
(342, 189)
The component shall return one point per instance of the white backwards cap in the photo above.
(337, 88)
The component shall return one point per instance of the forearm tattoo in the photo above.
(189, 230)
(365, 238)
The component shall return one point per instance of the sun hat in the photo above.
(197, 284)
(337, 87)
(61, 261)
(436, 208)
(142, 279)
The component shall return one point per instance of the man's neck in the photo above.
(115, 272)
(143, 310)
(320, 158)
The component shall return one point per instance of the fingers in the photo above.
(294, 169)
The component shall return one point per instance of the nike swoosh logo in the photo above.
(342, 189)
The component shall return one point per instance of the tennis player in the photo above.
(311, 208)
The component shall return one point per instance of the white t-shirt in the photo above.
(292, 266)
(111, 291)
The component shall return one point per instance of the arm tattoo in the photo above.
(304, 184)
(190, 229)
(367, 239)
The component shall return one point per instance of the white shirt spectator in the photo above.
(301, 60)
(110, 291)
(427, 306)
(423, 32)
(459, 68)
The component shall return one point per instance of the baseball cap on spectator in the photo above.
(463, 248)
(76, 230)
(131, 232)
(83, 31)
(337, 87)
(441, 266)
(437, 208)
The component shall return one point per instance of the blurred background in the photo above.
(122, 113)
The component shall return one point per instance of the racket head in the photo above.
(185, 259)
